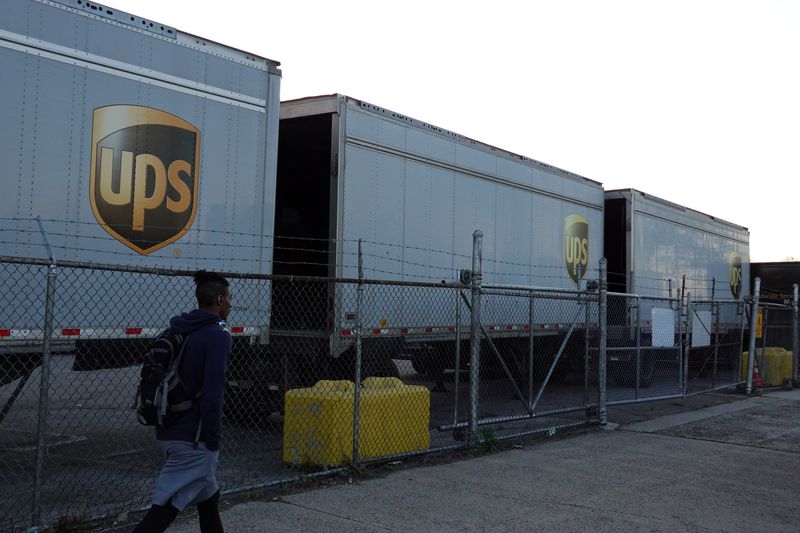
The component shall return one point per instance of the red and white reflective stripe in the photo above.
(104, 333)
(498, 329)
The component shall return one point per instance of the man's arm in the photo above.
(218, 349)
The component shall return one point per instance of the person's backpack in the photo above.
(162, 398)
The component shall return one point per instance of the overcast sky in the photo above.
(697, 102)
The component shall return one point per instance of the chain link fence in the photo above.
(644, 348)
(714, 345)
(326, 373)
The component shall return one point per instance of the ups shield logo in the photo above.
(144, 175)
(735, 274)
(576, 246)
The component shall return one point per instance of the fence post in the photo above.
(357, 391)
(602, 411)
(751, 352)
(44, 391)
(458, 357)
(715, 329)
(638, 333)
(475, 332)
(531, 311)
(686, 341)
(739, 369)
(586, 351)
(795, 340)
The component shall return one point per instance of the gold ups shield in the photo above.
(144, 175)
(576, 246)
(735, 274)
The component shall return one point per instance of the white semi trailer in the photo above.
(658, 249)
(137, 145)
(652, 244)
(413, 194)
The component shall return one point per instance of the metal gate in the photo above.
(533, 357)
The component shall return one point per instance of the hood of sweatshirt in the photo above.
(193, 320)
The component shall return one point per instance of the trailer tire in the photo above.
(375, 364)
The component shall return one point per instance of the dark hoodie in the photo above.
(202, 368)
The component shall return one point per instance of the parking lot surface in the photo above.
(717, 462)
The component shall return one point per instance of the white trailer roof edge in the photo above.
(163, 31)
(627, 193)
(313, 105)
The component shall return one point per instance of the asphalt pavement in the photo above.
(714, 462)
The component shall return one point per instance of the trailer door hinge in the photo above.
(335, 165)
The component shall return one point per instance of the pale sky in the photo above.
(697, 102)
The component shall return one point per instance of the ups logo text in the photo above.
(144, 175)
(735, 274)
(576, 246)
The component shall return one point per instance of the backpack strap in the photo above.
(188, 403)
(173, 372)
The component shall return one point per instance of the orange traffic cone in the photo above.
(757, 375)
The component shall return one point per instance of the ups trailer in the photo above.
(662, 251)
(412, 194)
(137, 145)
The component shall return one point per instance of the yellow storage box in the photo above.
(318, 424)
(775, 365)
(394, 418)
(318, 421)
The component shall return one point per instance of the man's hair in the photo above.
(209, 286)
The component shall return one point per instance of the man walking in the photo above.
(191, 445)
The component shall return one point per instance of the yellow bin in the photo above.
(318, 421)
(318, 424)
(394, 418)
(775, 365)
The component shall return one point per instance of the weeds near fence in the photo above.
(488, 442)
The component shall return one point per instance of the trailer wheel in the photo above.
(376, 364)
(250, 407)
(432, 360)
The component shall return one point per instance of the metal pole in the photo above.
(602, 411)
(715, 312)
(687, 343)
(586, 352)
(715, 307)
(49, 250)
(638, 333)
(44, 390)
(751, 352)
(795, 340)
(741, 341)
(475, 332)
(681, 335)
(458, 355)
(357, 390)
(530, 349)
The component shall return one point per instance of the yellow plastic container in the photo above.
(394, 418)
(318, 421)
(775, 365)
(318, 424)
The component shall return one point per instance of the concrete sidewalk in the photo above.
(715, 462)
